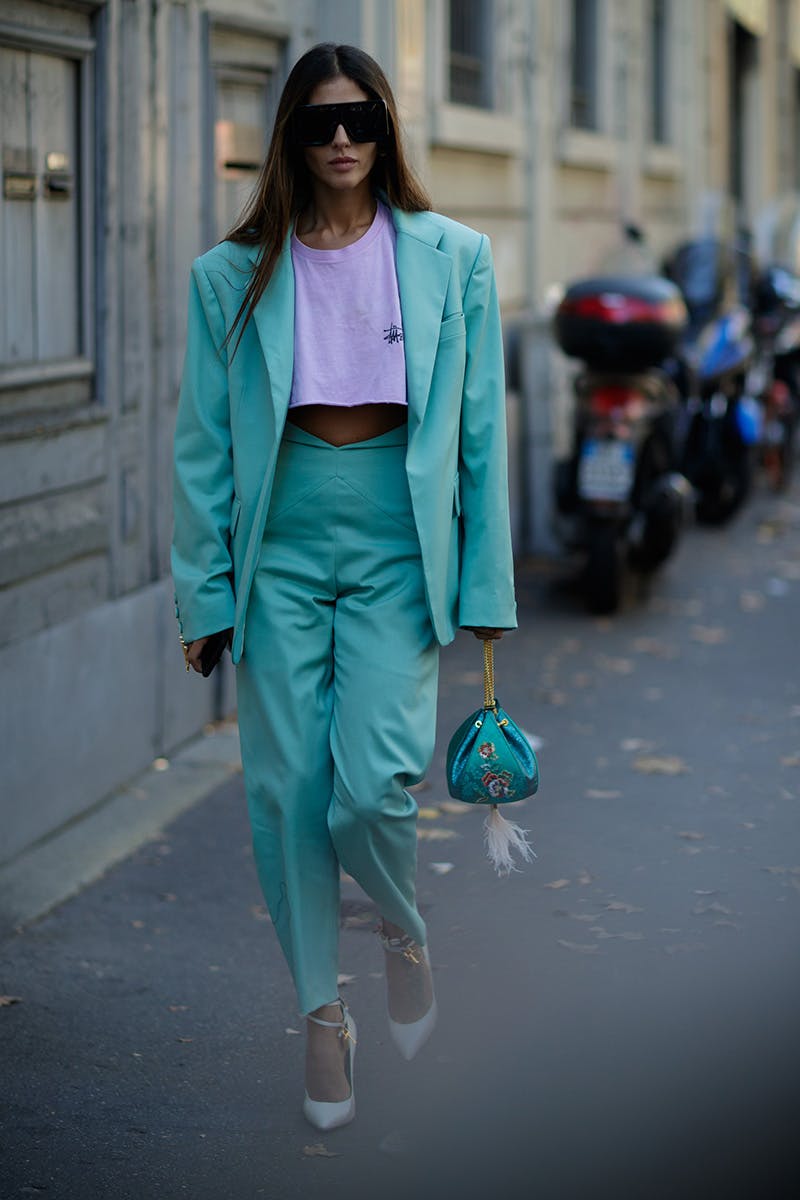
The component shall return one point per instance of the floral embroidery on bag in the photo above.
(498, 784)
(487, 750)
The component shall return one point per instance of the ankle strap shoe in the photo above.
(325, 1114)
(409, 1037)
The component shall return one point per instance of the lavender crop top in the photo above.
(348, 329)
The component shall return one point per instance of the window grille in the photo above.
(583, 65)
(471, 50)
(659, 71)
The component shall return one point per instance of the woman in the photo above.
(340, 491)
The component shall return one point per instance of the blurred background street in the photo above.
(618, 1019)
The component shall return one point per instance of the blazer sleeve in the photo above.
(202, 569)
(486, 588)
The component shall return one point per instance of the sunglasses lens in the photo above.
(364, 121)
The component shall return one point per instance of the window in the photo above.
(46, 274)
(244, 93)
(659, 71)
(583, 65)
(471, 53)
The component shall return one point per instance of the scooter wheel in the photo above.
(602, 579)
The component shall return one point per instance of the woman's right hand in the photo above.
(193, 652)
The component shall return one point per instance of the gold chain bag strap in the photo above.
(491, 761)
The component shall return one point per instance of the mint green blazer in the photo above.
(232, 410)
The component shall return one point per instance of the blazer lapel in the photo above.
(274, 321)
(423, 273)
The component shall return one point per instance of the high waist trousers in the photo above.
(336, 696)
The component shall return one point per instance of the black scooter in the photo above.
(620, 498)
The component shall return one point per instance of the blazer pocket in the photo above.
(456, 495)
(452, 326)
(236, 509)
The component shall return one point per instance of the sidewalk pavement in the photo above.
(618, 1019)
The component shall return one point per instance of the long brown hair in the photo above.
(284, 183)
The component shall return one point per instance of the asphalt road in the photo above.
(618, 1019)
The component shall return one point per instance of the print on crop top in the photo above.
(348, 338)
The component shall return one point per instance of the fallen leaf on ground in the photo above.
(621, 906)
(599, 794)
(436, 835)
(619, 666)
(441, 868)
(259, 912)
(592, 949)
(7, 1001)
(469, 677)
(343, 980)
(556, 884)
(454, 808)
(645, 645)
(318, 1150)
(751, 601)
(660, 764)
(293, 1032)
(691, 835)
(183, 1039)
(714, 906)
(709, 635)
(161, 764)
(428, 814)
(358, 920)
(178, 1007)
(631, 745)
(790, 760)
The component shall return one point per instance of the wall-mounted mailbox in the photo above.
(57, 178)
(19, 173)
(239, 148)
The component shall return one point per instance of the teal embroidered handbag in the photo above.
(491, 761)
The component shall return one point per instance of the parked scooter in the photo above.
(620, 498)
(722, 420)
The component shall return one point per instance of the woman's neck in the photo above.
(336, 218)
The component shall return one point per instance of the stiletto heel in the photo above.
(411, 1036)
(329, 1114)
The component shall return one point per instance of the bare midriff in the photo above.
(340, 425)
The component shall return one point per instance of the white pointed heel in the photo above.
(330, 1114)
(410, 1037)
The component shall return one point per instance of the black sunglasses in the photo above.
(363, 120)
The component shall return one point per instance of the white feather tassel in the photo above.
(502, 838)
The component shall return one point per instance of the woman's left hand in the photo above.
(484, 633)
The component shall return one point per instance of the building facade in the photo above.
(131, 133)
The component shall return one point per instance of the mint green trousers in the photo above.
(336, 696)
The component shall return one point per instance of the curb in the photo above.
(60, 865)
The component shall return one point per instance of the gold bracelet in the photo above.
(185, 650)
